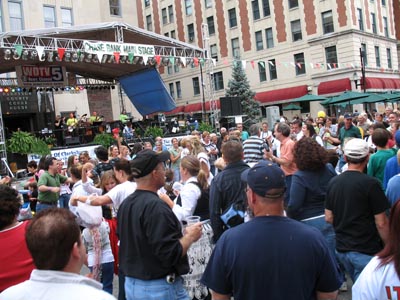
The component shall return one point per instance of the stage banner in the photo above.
(41, 76)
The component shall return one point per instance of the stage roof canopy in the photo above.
(104, 51)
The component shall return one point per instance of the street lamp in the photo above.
(360, 81)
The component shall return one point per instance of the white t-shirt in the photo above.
(376, 282)
(120, 192)
(189, 194)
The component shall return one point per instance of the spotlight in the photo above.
(25, 54)
(74, 57)
(113, 87)
(96, 59)
(16, 56)
(81, 57)
(81, 88)
(7, 54)
(88, 58)
(67, 57)
(67, 88)
(6, 90)
(111, 59)
(24, 90)
(50, 56)
(77, 88)
(137, 59)
(34, 55)
(122, 59)
(19, 89)
(56, 89)
(165, 61)
(1, 90)
(13, 90)
(104, 59)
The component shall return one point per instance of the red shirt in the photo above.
(16, 261)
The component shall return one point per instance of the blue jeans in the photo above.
(43, 206)
(353, 262)
(136, 289)
(64, 200)
(107, 276)
(327, 231)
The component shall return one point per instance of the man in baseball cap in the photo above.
(356, 205)
(146, 161)
(270, 244)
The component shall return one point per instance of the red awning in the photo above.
(334, 86)
(175, 111)
(194, 107)
(382, 83)
(281, 94)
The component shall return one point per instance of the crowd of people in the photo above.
(305, 203)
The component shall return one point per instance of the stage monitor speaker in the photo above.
(230, 106)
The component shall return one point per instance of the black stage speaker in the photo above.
(230, 106)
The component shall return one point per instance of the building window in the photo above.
(296, 30)
(114, 8)
(146, 3)
(266, 8)
(364, 53)
(164, 16)
(293, 3)
(149, 23)
(383, 2)
(262, 72)
(66, 17)
(373, 23)
(232, 17)
(259, 41)
(272, 69)
(299, 64)
(172, 90)
(389, 57)
(269, 37)
(196, 86)
(360, 19)
(166, 34)
(385, 27)
(214, 52)
(171, 13)
(173, 34)
(190, 28)
(331, 57)
(49, 14)
(176, 68)
(208, 3)
(256, 9)
(377, 57)
(327, 22)
(169, 69)
(235, 48)
(1, 18)
(178, 89)
(15, 11)
(211, 26)
(218, 81)
(188, 7)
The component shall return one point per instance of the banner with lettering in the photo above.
(41, 76)
(110, 48)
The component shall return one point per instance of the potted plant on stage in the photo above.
(104, 139)
(22, 143)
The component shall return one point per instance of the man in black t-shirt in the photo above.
(356, 205)
(152, 248)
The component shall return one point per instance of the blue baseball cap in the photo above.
(263, 177)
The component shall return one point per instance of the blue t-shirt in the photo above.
(272, 257)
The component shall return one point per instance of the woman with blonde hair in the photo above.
(197, 147)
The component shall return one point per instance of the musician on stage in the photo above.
(72, 123)
(94, 118)
(58, 130)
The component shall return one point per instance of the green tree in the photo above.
(239, 86)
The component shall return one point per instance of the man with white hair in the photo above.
(363, 123)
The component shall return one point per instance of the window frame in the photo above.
(211, 25)
(196, 86)
(218, 79)
(164, 16)
(269, 39)
(299, 58)
(262, 72)
(255, 6)
(389, 58)
(266, 8)
(47, 22)
(214, 55)
(178, 87)
(327, 22)
(232, 17)
(377, 56)
(258, 35)
(385, 27)
(190, 32)
(20, 18)
(172, 90)
(331, 57)
(373, 23)
(360, 19)
(296, 35)
(115, 9)
(63, 21)
(273, 74)
(364, 50)
(171, 15)
(235, 48)
(188, 7)
(293, 4)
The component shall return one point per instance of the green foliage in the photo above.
(239, 86)
(104, 139)
(205, 127)
(23, 142)
(153, 132)
(50, 140)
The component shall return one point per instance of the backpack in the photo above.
(203, 206)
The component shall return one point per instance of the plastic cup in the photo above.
(192, 220)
